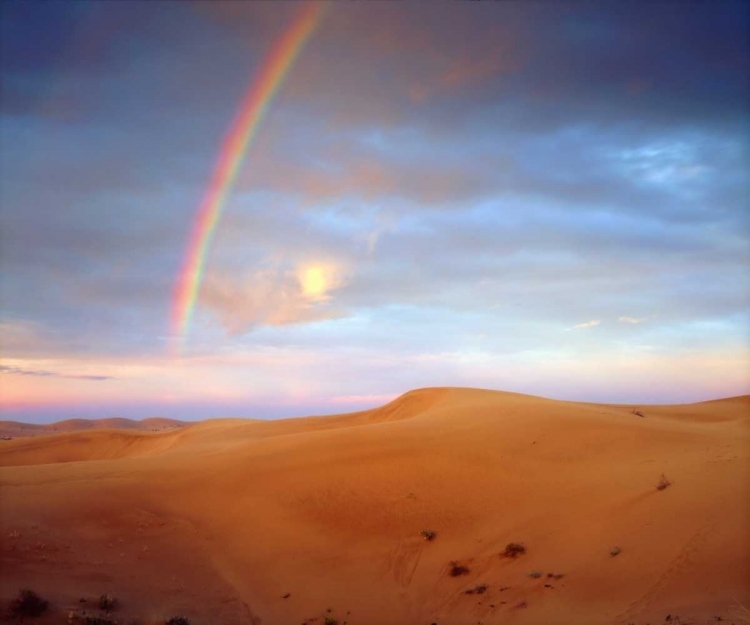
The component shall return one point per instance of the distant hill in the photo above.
(16, 429)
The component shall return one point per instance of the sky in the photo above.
(547, 198)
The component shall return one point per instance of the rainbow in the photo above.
(254, 107)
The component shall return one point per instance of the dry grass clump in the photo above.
(477, 590)
(427, 534)
(458, 569)
(97, 620)
(89, 619)
(534, 574)
(28, 603)
(663, 482)
(107, 603)
(615, 551)
(513, 550)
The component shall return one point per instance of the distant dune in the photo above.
(14, 429)
(301, 520)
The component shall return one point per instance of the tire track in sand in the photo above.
(682, 561)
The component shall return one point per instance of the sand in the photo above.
(292, 521)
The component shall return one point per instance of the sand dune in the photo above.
(15, 429)
(221, 520)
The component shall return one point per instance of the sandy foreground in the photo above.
(295, 521)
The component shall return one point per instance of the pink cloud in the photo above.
(273, 296)
(362, 399)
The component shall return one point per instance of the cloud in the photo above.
(632, 320)
(46, 374)
(26, 338)
(587, 324)
(544, 66)
(274, 296)
(499, 52)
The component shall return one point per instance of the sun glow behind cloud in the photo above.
(314, 282)
(317, 281)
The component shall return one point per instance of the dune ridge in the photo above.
(220, 520)
(15, 429)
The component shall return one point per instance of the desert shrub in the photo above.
(28, 603)
(477, 590)
(97, 620)
(663, 482)
(513, 550)
(427, 534)
(534, 574)
(615, 551)
(329, 620)
(107, 603)
(458, 569)
(556, 575)
(178, 620)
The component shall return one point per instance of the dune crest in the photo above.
(406, 406)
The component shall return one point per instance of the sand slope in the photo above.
(221, 519)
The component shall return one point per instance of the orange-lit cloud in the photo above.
(587, 324)
(632, 320)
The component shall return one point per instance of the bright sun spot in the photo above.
(314, 282)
